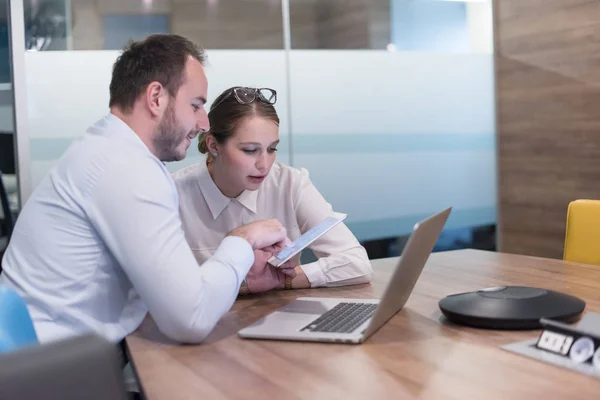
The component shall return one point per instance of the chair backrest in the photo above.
(7, 152)
(7, 217)
(583, 232)
(16, 327)
(82, 367)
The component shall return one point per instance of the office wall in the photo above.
(548, 118)
(387, 147)
(480, 21)
(55, 121)
(441, 26)
(6, 95)
(6, 108)
(430, 25)
(388, 137)
(248, 24)
(396, 142)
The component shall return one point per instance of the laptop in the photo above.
(342, 320)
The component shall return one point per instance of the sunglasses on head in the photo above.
(246, 95)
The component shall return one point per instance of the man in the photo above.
(100, 243)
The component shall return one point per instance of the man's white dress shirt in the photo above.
(100, 243)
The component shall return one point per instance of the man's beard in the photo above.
(168, 136)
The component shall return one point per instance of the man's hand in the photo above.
(263, 277)
(263, 234)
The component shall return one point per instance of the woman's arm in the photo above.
(342, 260)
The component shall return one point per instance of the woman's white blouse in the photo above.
(288, 195)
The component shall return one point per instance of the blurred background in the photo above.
(388, 104)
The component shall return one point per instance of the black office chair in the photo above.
(7, 222)
(85, 367)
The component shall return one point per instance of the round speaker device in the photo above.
(510, 307)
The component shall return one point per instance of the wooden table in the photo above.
(416, 355)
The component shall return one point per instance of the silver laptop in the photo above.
(353, 320)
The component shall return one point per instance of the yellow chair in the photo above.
(582, 237)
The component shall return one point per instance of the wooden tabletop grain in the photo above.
(416, 355)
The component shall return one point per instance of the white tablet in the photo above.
(307, 238)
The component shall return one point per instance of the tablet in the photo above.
(307, 238)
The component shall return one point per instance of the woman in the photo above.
(240, 182)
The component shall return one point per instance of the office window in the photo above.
(102, 24)
(120, 29)
(340, 24)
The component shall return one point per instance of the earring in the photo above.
(214, 154)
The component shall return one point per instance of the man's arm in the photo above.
(135, 211)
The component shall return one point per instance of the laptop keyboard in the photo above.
(343, 318)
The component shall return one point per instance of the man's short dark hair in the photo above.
(160, 58)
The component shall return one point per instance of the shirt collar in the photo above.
(216, 200)
(111, 124)
(248, 199)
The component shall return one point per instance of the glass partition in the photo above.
(388, 104)
(396, 121)
(67, 86)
